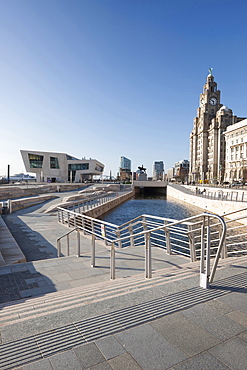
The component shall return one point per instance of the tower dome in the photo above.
(224, 107)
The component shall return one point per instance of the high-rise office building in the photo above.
(125, 163)
(125, 169)
(158, 170)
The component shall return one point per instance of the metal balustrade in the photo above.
(198, 237)
(91, 202)
(236, 241)
(223, 195)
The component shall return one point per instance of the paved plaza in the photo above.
(63, 314)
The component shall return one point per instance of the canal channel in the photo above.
(158, 206)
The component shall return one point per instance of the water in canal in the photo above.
(163, 207)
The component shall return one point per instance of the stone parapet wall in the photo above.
(218, 207)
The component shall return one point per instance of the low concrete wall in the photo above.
(27, 202)
(11, 192)
(108, 206)
(10, 252)
(209, 205)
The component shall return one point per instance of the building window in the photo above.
(69, 158)
(54, 162)
(78, 167)
(35, 160)
(99, 168)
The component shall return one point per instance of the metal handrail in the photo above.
(205, 276)
(149, 234)
(67, 234)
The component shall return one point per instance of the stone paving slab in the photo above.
(174, 341)
(188, 339)
(233, 353)
(220, 326)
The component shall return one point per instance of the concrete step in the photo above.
(22, 310)
(60, 301)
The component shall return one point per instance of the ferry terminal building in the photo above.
(60, 167)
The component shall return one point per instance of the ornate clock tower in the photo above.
(207, 145)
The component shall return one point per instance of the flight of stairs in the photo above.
(60, 301)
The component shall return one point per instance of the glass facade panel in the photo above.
(99, 168)
(69, 158)
(54, 162)
(78, 167)
(35, 160)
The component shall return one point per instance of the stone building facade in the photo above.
(207, 142)
(236, 152)
(181, 170)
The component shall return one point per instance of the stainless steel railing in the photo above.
(90, 202)
(223, 195)
(198, 237)
(206, 226)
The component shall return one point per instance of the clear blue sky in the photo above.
(106, 78)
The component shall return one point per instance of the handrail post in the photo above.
(191, 237)
(83, 224)
(78, 243)
(103, 233)
(168, 240)
(204, 275)
(208, 253)
(113, 267)
(224, 248)
(118, 237)
(202, 246)
(130, 228)
(144, 223)
(59, 248)
(148, 268)
(68, 245)
(93, 251)
(92, 226)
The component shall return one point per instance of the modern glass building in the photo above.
(125, 169)
(158, 170)
(60, 167)
(125, 164)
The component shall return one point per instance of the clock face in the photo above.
(213, 101)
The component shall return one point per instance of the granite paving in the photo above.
(176, 325)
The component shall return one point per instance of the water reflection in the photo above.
(159, 206)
